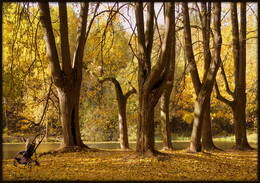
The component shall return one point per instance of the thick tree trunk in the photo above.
(68, 79)
(151, 82)
(165, 119)
(69, 105)
(145, 128)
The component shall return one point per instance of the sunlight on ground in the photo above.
(116, 165)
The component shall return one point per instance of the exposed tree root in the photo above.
(242, 148)
(167, 149)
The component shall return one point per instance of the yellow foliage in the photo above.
(188, 118)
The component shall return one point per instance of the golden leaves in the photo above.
(117, 165)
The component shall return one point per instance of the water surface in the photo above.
(10, 150)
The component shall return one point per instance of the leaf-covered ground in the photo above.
(120, 165)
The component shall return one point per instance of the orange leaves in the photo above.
(115, 165)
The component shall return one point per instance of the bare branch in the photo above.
(221, 98)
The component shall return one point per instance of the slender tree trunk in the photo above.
(122, 124)
(6, 115)
(239, 52)
(205, 91)
(207, 142)
(165, 98)
(47, 130)
(165, 118)
(121, 103)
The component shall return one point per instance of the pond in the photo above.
(10, 150)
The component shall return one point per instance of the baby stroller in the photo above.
(24, 157)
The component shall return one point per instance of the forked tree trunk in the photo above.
(151, 82)
(165, 98)
(239, 52)
(207, 142)
(121, 103)
(238, 104)
(68, 79)
(205, 91)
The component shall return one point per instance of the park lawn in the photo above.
(114, 165)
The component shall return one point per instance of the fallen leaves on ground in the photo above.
(117, 165)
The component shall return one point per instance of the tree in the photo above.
(204, 89)
(238, 104)
(121, 102)
(207, 142)
(68, 78)
(165, 98)
(151, 81)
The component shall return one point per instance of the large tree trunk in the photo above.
(69, 105)
(151, 82)
(68, 79)
(145, 128)
(240, 127)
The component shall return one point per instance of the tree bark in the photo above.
(165, 118)
(238, 104)
(6, 115)
(205, 91)
(207, 142)
(121, 102)
(165, 98)
(151, 82)
(239, 111)
(68, 79)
